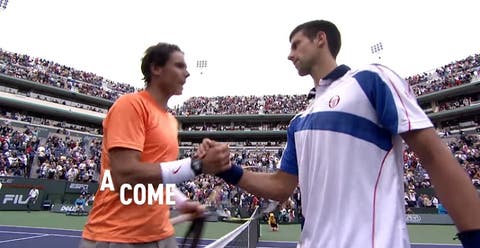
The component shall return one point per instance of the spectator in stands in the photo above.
(409, 211)
(227, 213)
(427, 202)
(283, 215)
(140, 141)
(411, 198)
(84, 190)
(420, 201)
(434, 201)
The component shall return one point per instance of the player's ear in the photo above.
(320, 39)
(155, 70)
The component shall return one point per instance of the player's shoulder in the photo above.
(379, 70)
(371, 68)
(297, 116)
(131, 98)
(172, 119)
(129, 101)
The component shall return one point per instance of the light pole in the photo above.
(377, 50)
(3, 4)
(202, 65)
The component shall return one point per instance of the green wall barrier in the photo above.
(76, 188)
(14, 192)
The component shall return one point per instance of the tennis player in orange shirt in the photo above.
(140, 146)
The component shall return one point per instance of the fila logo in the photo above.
(334, 101)
(15, 199)
(175, 171)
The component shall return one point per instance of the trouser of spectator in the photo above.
(302, 221)
(283, 218)
(166, 243)
(30, 203)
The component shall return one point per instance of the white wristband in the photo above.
(177, 171)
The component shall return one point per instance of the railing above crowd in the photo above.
(51, 99)
(50, 73)
(47, 72)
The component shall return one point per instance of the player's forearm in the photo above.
(145, 173)
(153, 173)
(455, 190)
(267, 185)
(452, 185)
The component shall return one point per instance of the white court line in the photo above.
(73, 236)
(11, 240)
(44, 234)
(278, 241)
(421, 244)
(39, 227)
(434, 244)
(55, 229)
(51, 234)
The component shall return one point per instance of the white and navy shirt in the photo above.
(33, 193)
(346, 150)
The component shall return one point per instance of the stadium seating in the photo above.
(65, 154)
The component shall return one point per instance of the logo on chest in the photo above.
(334, 101)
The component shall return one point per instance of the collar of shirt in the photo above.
(337, 73)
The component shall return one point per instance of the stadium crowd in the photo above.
(451, 75)
(269, 104)
(456, 103)
(233, 127)
(18, 150)
(71, 158)
(62, 156)
(67, 158)
(447, 76)
(465, 148)
(51, 73)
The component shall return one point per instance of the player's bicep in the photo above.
(287, 181)
(288, 162)
(426, 144)
(123, 162)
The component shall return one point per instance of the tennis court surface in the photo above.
(36, 237)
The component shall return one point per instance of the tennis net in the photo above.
(246, 235)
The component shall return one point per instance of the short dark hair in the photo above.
(158, 55)
(311, 29)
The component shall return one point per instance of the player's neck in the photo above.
(322, 69)
(159, 96)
